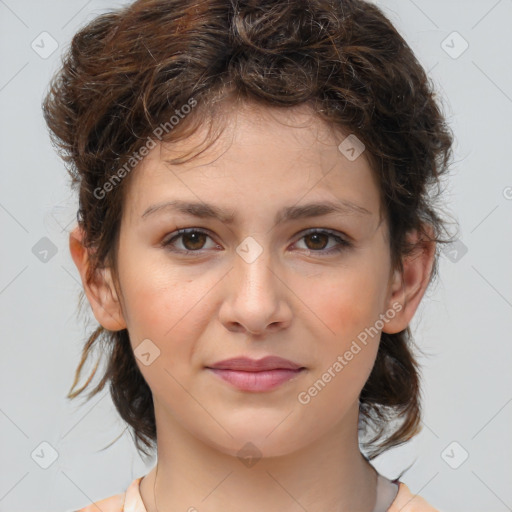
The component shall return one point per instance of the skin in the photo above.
(289, 302)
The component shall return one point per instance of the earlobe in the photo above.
(100, 290)
(408, 287)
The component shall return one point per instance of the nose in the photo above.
(256, 297)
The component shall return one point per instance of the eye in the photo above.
(316, 241)
(319, 241)
(193, 240)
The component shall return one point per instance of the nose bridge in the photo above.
(254, 295)
(253, 267)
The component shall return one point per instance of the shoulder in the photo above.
(112, 504)
(406, 501)
(128, 501)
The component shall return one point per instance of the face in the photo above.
(275, 279)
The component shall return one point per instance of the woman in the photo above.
(256, 231)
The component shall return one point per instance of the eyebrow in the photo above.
(204, 210)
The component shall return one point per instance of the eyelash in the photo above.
(342, 243)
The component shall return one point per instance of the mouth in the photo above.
(253, 375)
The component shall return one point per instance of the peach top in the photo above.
(392, 496)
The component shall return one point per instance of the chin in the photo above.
(259, 439)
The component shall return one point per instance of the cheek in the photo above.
(348, 307)
(348, 301)
(167, 306)
(347, 304)
(161, 312)
(169, 312)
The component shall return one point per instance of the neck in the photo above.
(327, 474)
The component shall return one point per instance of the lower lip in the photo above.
(256, 381)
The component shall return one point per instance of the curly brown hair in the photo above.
(128, 71)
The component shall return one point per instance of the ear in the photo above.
(408, 287)
(100, 292)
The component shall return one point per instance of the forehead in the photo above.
(262, 155)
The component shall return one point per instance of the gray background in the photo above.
(464, 322)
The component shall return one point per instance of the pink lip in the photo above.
(247, 364)
(256, 375)
(256, 381)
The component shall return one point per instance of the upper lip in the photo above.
(256, 365)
